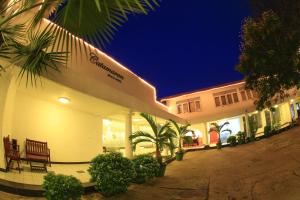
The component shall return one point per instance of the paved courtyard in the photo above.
(268, 169)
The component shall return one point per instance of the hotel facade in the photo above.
(93, 105)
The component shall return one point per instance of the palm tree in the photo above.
(161, 137)
(180, 131)
(94, 21)
(219, 129)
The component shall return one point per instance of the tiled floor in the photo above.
(36, 177)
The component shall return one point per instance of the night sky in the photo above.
(183, 45)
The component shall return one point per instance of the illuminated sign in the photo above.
(110, 72)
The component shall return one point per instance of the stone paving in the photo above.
(268, 169)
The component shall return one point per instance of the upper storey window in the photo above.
(188, 106)
(226, 98)
(246, 94)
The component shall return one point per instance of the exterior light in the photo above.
(64, 100)
(276, 106)
(292, 100)
(255, 112)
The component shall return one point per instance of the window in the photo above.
(249, 95)
(257, 119)
(235, 97)
(185, 108)
(223, 99)
(192, 106)
(179, 108)
(197, 105)
(243, 94)
(188, 105)
(229, 98)
(217, 101)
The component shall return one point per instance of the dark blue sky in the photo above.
(183, 45)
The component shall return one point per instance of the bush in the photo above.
(219, 144)
(62, 187)
(112, 173)
(187, 140)
(231, 140)
(146, 168)
(241, 137)
(252, 138)
(267, 131)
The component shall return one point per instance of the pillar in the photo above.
(7, 96)
(101, 136)
(247, 125)
(128, 131)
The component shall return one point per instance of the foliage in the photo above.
(231, 140)
(112, 173)
(180, 131)
(62, 187)
(267, 131)
(146, 168)
(270, 58)
(241, 137)
(161, 137)
(18, 38)
(253, 126)
(187, 140)
(219, 129)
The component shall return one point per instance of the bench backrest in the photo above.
(36, 147)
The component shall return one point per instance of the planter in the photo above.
(162, 170)
(179, 155)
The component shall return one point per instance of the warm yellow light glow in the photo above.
(276, 106)
(64, 100)
(292, 100)
(106, 122)
(255, 112)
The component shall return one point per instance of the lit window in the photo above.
(223, 99)
(197, 104)
(249, 94)
(243, 94)
(229, 98)
(185, 108)
(192, 106)
(217, 101)
(179, 109)
(235, 97)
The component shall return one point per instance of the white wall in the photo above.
(73, 136)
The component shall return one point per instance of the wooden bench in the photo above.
(39, 152)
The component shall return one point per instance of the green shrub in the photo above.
(146, 168)
(252, 138)
(187, 140)
(219, 144)
(241, 137)
(62, 187)
(112, 173)
(231, 140)
(267, 131)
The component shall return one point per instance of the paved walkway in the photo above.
(265, 170)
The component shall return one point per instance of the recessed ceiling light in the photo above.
(64, 100)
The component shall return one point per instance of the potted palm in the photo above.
(180, 131)
(219, 129)
(161, 137)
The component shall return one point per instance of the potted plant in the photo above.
(161, 137)
(180, 131)
(219, 129)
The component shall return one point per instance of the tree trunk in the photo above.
(158, 155)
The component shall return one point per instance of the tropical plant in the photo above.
(253, 127)
(231, 140)
(267, 131)
(36, 49)
(146, 168)
(180, 131)
(161, 137)
(219, 129)
(62, 187)
(241, 137)
(112, 173)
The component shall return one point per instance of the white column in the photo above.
(101, 136)
(7, 101)
(205, 134)
(128, 131)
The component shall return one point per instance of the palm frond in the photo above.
(140, 140)
(151, 122)
(33, 57)
(162, 129)
(143, 134)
